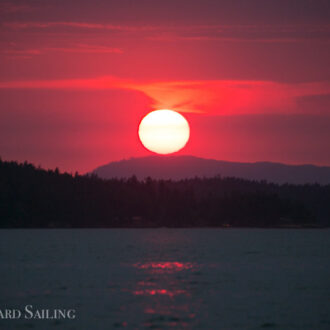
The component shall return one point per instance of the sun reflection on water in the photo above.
(160, 290)
(165, 267)
(152, 292)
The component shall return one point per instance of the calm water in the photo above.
(168, 278)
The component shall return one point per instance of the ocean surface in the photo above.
(168, 278)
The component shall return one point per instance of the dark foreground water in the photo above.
(168, 278)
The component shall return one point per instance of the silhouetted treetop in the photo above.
(34, 197)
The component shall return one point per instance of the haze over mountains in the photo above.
(181, 167)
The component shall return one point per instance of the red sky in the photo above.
(252, 78)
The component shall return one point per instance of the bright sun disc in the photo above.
(164, 131)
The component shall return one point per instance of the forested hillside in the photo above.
(33, 197)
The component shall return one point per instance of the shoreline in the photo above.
(165, 227)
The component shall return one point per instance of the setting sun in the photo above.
(164, 131)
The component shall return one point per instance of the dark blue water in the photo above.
(168, 278)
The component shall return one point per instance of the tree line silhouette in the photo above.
(32, 197)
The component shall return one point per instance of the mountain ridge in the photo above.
(187, 166)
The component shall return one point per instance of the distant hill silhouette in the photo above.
(181, 167)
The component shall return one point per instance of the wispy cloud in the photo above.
(77, 25)
(219, 97)
(11, 7)
(84, 48)
(79, 48)
(247, 33)
(228, 97)
(22, 52)
(174, 38)
(271, 33)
